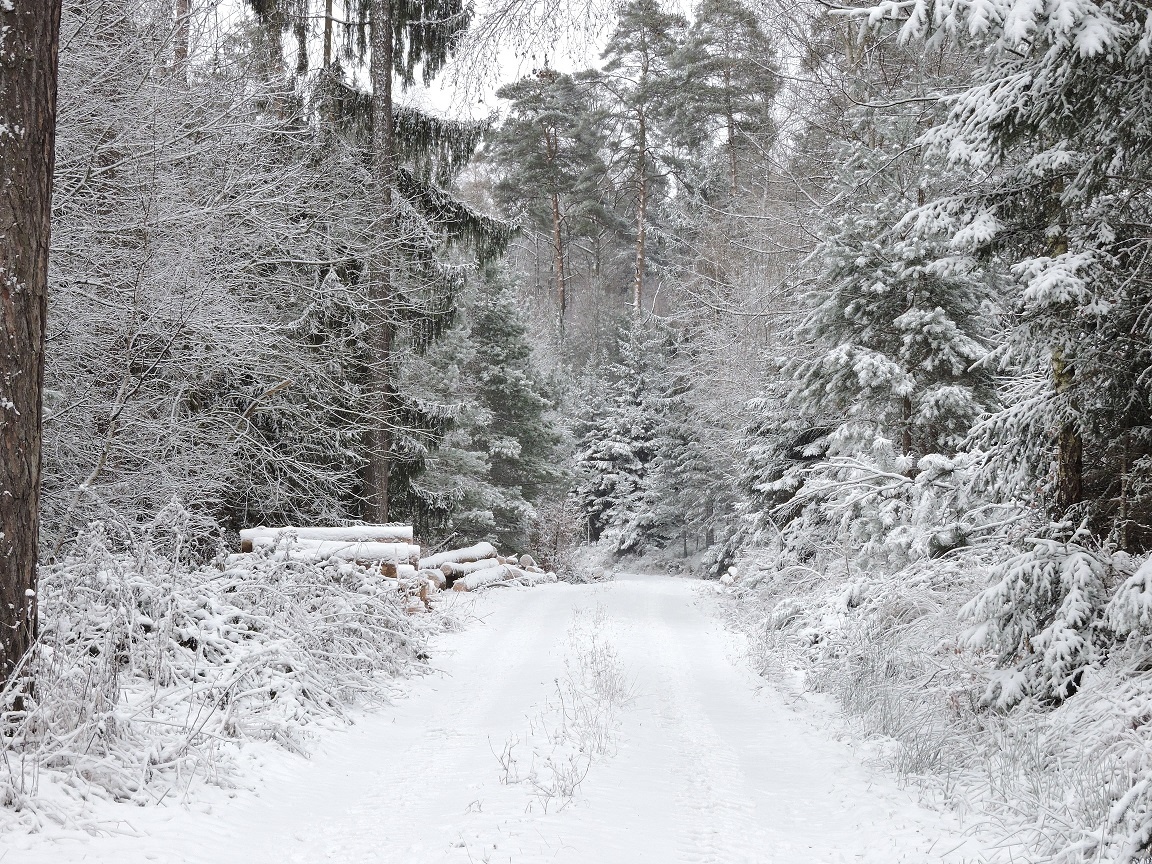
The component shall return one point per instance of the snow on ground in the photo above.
(707, 763)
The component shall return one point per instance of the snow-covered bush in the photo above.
(1044, 612)
(1061, 629)
(152, 669)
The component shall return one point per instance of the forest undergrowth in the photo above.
(927, 671)
(152, 669)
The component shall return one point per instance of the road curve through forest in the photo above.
(706, 762)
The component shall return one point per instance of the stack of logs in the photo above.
(391, 547)
(480, 566)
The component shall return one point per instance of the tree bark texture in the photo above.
(552, 152)
(1069, 439)
(730, 122)
(327, 33)
(1069, 445)
(183, 36)
(641, 211)
(558, 251)
(29, 41)
(383, 173)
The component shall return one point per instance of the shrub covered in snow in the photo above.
(1010, 685)
(151, 668)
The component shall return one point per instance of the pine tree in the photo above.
(547, 151)
(729, 82)
(638, 74)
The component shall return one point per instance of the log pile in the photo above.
(481, 566)
(391, 547)
(360, 543)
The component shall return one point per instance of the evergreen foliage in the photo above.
(1054, 129)
(548, 146)
(728, 83)
(645, 479)
(618, 443)
(898, 330)
(502, 455)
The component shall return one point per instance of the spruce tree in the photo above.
(414, 156)
(897, 330)
(502, 454)
(619, 444)
(1053, 131)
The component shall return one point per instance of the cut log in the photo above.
(452, 569)
(349, 533)
(436, 577)
(539, 578)
(487, 576)
(369, 552)
(527, 561)
(458, 556)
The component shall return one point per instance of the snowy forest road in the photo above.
(704, 763)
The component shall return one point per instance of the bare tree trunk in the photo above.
(383, 173)
(1069, 440)
(730, 117)
(327, 33)
(558, 248)
(906, 426)
(29, 42)
(300, 29)
(182, 47)
(641, 213)
(1069, 443)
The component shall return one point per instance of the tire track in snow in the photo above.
(711, 767)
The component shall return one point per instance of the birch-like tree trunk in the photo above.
(29, 41)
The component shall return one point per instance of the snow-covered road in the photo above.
(709, 765)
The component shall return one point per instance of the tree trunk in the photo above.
(906, 426)
(552, 152)
(641, 212)
(327, 33)
(183, 36)
(383, 173)
(731, 122)
(300, 29)
(558, 244)
(1069, 442)
(29, 41)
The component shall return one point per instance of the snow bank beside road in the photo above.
(153, 671)
(699, 762)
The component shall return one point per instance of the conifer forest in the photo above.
(589, 431)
